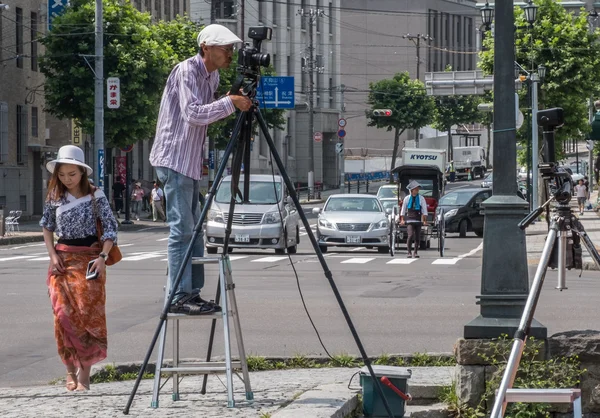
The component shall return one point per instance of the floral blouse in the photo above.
(71, 218)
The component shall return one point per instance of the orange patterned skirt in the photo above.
(79, 308)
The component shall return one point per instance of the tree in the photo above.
(455, 110)
(407, 99)
(563, 43)
(139, 53)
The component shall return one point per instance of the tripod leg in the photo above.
(562, 260)
(589, 245)
(186, 258)
(521, 335)
(328, 275)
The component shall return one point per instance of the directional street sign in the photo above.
(276, 93)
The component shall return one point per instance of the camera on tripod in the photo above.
(250, 58)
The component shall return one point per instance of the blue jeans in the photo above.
(183, 212)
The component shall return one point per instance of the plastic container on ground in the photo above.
(372, 403)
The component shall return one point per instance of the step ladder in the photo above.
(229, 311)
(546, 396)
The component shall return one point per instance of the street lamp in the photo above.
(4, 6)
(542, 72)
(530, 12)
(487, 15)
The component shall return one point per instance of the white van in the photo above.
(258, 223)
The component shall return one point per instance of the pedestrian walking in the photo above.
(452, 172)
(137, 195)
(118, 189)
(157, 204)
(78, 303)
(414, 215)
(187, 108)
(581, 193)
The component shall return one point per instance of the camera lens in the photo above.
(262, 60)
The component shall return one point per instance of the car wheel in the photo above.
(478, 232)
(462, 228)
(211, 250)
(323, 248)
(383, 250)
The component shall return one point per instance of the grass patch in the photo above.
(110, 373)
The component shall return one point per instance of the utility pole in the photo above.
(98, 162)
(310, 65)
(342, 159)
(416, 39)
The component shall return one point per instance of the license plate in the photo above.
(353, 239)
(242, 238)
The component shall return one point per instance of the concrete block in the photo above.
(470, 384)
(326, 401)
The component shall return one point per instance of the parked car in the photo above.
(352, 220)
(388, 191)
(388, 203)
(487, 181)
(257, 223)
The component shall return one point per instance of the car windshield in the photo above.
(353, 204)
(489, 177)
(388, 204)
(456, 198)
(261, 192)
(387, 192)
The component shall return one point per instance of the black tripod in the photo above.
(562, 249)
(241, 140)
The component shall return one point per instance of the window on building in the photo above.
(34, 54)
(469, 24)
(22, 134)
(3, 201)
(319, 92)
(34, 122)
(140, 157)
(330, 17)
(276, 12)
(262, 12)
(148, 6)
(19, 36)
(185, 6)
(291, 12)
(176, 7)
(225, 9)
(138, 4)
(302, 77)
(157, 9)
(167, 15)
(303, 19)
(275, 63)
(3, 132)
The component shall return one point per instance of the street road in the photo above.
(397, 305)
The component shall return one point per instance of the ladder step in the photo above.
(205, 260)
(543, 395)
(212, 315)
(208, 368)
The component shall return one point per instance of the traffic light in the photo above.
(386, 113)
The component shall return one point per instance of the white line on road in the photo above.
(40, 259)
(402, 261)
(357, 260)
(163, 239)
(18, 257)
(237, 257)
(269, 259)
(446, 261)
(358, 249)
(23, 246)
(472, 252)
(142, 257)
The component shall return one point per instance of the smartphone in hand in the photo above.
(91, 275)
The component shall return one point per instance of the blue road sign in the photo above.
(276, 93)
(342, 133)
(55, 8)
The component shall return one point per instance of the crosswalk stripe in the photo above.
(402, 261)
(163, 239)
(238, 257)
(446, 261)
(142, 257)
(357, 260)
(40, 259)
(18, 257)
(269, 259)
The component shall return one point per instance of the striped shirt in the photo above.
(186, 109)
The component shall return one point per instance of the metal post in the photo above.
(590, 147)
(535, 147)
(342, 160)
(504, 273)
(311, 116)
(98, 95)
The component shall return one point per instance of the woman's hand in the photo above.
(56, 264)
(99, 266)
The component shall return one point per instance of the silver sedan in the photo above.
(352, 220)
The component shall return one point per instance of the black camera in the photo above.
(250, 58)
(551, 118)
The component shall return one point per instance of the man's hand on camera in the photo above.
(241, 102)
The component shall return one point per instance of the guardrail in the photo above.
(309, 193)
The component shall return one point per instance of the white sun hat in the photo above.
(69, 154)
(217, 35)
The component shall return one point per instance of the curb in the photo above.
(325, 401)
(21, 240)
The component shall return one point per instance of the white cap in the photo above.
(69, 154)
(218, 35)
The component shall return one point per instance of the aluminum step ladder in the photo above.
(547, 396)
(229, 367)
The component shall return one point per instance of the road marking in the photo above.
(473, 251)
(40, 259)
(402, 261)
(144, 256)
(125, 245)
(163, 239)
(268, 259)
(446, 261)
(358, 249)
(238, 257)
(23, 246)
(357, 260)
(18, 257)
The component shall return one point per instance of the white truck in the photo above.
(424, 156)
(469, 160)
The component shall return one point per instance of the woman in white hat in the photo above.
(413, 214)
(78, 303)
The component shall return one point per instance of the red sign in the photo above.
(121, 170)
(318, 136)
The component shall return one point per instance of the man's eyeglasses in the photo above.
(227, 49)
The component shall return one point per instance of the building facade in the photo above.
(290, 56)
